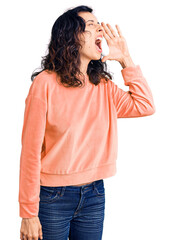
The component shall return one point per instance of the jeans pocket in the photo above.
(100, 190)
(49, 194)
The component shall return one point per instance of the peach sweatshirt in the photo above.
(69, 135)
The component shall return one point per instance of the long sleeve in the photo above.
(30, 158)
(138, 101)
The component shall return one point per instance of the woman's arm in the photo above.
(30, 159)
(138, 101)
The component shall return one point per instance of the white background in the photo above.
(140, 197)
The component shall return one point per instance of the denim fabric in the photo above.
(76, 212)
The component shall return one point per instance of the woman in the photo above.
(69, 137)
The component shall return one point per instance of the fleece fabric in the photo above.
(69, 135)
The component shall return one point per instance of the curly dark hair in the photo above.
(63, 56)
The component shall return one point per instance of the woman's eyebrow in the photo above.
(92, 21)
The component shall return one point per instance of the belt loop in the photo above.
(93, 185)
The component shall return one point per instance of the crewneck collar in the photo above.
(86, 79)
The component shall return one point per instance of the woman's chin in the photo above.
(97, 57)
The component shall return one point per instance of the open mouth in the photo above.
(98, 44)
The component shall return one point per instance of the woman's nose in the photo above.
(100, 28)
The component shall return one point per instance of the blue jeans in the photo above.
(76, 212)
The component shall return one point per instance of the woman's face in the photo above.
(90, 51)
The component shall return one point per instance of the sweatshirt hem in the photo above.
(100, 172)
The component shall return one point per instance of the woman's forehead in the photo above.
(88, 17)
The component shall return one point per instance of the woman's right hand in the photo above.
(31, 229)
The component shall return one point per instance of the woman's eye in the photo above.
(90, 24)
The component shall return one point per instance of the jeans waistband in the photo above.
(78, 188)
(89, 185)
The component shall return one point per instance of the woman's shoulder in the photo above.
(109, 83)
(45, 77)
(41, 84)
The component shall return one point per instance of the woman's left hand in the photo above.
(118, 49)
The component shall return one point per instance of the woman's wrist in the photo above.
(127, 62)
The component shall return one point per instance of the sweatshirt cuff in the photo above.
(130, 73)
(28, 210)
